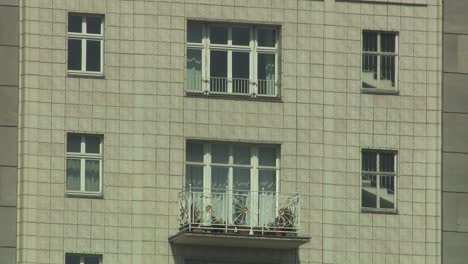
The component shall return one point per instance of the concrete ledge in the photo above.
(239, 241)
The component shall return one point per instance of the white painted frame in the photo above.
(253, 49)
(84, 36)
(83, 156)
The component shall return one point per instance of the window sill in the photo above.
(84, 195)
(379, 211)
(78, 74)
(248, 97)
(379, 91)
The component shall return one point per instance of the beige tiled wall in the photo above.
(322, 122)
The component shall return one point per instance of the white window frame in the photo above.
(379, 54)
(84, 36)
(378, 174)
(253, 48)
(83, 156)
(82, 256)
(254, 168)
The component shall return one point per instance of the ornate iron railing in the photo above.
(238, 211)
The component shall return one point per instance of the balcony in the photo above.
(232, 86)
(237, 218)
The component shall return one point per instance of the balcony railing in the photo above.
(234, 86)
(239, 212)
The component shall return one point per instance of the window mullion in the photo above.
(252, 62)
(229, 61)
(378, 181)
(254, 184)
(230, 187)
(208, 58)
(378, 59)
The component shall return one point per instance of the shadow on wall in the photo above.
(229, 255)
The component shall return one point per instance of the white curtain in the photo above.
(194, 70)
(219, 182)
(73, 174)
(92, 175)
(267, 196)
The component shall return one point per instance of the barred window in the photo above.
(379, 61)
(378, 184)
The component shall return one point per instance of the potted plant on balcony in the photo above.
(218, 225)
(284, 221)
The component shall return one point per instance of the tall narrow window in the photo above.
(84, 164)
(85, 44)
(236, 179)
(378, 180)
(232, 59)
(379, 61)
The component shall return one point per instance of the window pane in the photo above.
(91, 260)
(93, 24)
(73, 174)
(194, 152)
(92, 176)
(218, 71)
(241, 155)
(74, 54)
(194, 32)
(220, 153)
(194, 177)
(92, 144)
(369, 41)
(387, 162)
(369, 70)
(93, 55)
(74, 23)
(387, 68)
(369, 161)
(266, 74)
(72, 259)
(219, 178)
(387, 42)
(73, 143)
(387, 192)
(266, 37)
(267, 180)
(241, 36)
(240, 72)
(267, 156)
(194, 70)
(369, 191)
(241, 179)
(218, 35)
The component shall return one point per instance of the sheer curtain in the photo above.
(92, 175)
(219, 182)
(266, 74)
(73, 174)
(194, 70)
(267, 196)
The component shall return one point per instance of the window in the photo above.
(84, 164)
(232, 59)
(379, 179)
(82, 259)
(379, 61)
(85, 44)
(235, 177)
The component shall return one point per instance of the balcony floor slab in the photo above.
(239, 241)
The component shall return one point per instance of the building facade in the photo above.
(260, 131)
(8, 128)
(454, 154)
